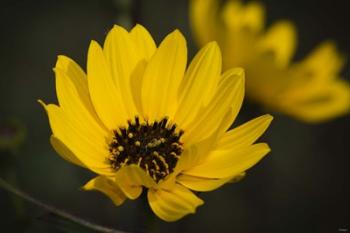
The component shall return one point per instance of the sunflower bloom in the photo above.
(309, 90)
(140, 120)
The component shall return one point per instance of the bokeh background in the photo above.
(301, 186)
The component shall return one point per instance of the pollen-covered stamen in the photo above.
(155, 147)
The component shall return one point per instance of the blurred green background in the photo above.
(302, 186)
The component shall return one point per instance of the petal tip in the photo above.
(62, 62)
(94, 44)
(86, 187)
(116, 26)
(177, 34)
(269, 117)
(118, 29)
(267, 148)
(213, 45)
(138, 27)
(60, 58)
(240, 71)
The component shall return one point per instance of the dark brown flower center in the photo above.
(155, 147)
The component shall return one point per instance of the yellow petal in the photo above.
(322, 65)
(237, 178)
(228, 163)
(168, 183)
(245, 134)
(162, 77)
(254, 17)
(107, 101)
(203, 20)
(229, 94)
(122, 57)
(265, 80)
(145, 46)
(77, 85)
(130, 191)
(331, 101)
(243, 19)
(171, 205)
(280, 42)
(326, 60)
(232, 15)
(108, 187)
(189, 157)
(226, 122)
(239, 32)
(135, 175)
(136, 85)
(131, 179)
(77, 108)
(88, 146)
(62, 150)
(143, 41)
(196, 153)
(199, 83)
(201, 184)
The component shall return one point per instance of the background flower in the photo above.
(310, 90)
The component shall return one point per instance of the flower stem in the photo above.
(16, 201)
(8, 187)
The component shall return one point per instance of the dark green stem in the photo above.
(17, 201)
(8, 187)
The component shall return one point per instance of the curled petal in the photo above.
(171, 205)
(131, 179)
(108, 187)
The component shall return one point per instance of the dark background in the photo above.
(302, 186)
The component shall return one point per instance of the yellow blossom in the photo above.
(141, 121)
(309, 90)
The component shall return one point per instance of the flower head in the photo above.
(139, 119)
(309, 90)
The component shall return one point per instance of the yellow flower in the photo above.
(139, 119)
(309, 90)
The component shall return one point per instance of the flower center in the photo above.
(155, 147)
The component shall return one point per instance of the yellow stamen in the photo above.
(156, 165)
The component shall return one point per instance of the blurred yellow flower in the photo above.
(309, 90)
(139, 119)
